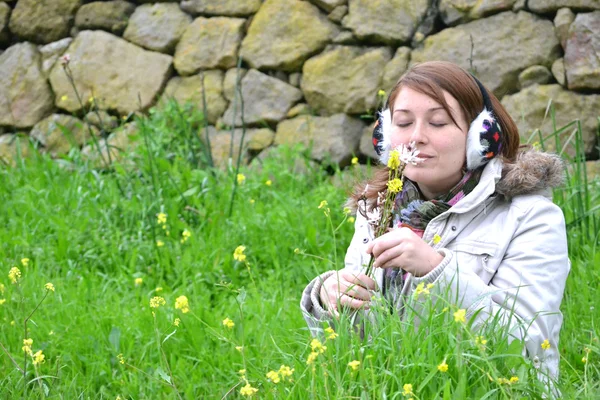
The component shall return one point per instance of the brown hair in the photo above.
(431, 79)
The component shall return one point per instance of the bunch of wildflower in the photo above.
(14, 274)
(323, 205)
(317, 348)
(27, 343)
(38, 357)
(185, 235)
(240, 178)
(354, 364)
(228, 323)
(421, 289)
(460, 315)
(157, 301)
(443, 367)
(181, 303)
(382, 218)
(138, 281)
(238, 254)
(331, 334)
(25, 262)
(280, 375)
(246, 390)
(49, 287)
(407, 390)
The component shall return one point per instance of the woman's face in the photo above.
(417, 117)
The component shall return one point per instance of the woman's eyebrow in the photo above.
(409, 111)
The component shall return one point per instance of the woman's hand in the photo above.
(348, 288)
(402, 248)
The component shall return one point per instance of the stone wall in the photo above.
(309, 69)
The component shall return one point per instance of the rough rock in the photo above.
(558, 70)
(255, 140)
(333, 139)
(366, 143)
(4, 17)
(265, 99)
(114, 148)
(284, 33)
(395, 68)
(344, 79)
(582, 53)
(329, 5)
(459, 11)
(111, 16)
(549, 6)
(26, 95)
(345, 37)
(102, 120)
(209, 43)
(338, 13)
(563, 20)
(13, 147)
(299, 109)
(57, 133)
(593, 170)
(530, 105)
(519, 5)
(536, 74)
(157, 26)
(386, 22)
(295, 79)
(51, 52)
(120, 75)
(231, 8)
(503, 46)
(188, 89)
(43, 21)
(229, 82)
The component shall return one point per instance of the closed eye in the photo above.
(438, 125)
(404, 125)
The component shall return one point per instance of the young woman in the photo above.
(474, 218)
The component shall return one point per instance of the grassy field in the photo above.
(161, 225)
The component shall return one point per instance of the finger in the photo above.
(353, 303)
(358, 292)
(383, 260)
(359, 279)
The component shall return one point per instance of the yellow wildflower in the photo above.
(176, 322)
(459, 316)
(407, 390)
(181, 303)
(64, 98)
(347, 210)
(240, 178)
(317, 346)
(513, 379)
(239, 348)
(285, 371)
(536, 146)
(27, 343)
(51, 333)
(49, 286)
(228, 323)
(157, 301)
(436, 238)
(480, 340)
(273, 376)
(354, 364)
(584, 360)
(248, 390)
(545, 344)
(12, 323)
(323, 204)
(238, 254)
(312, 357)
(331, 334)
(443, 367)
(161, 218)
(185, 235)
(354, 160)
(121, 358)
(1, 288)
(242, 372)
(268, 182)
(351, 220)
(381, 93)
(252, 201)
(38, 357)
(296, 251)
(395, 185)
(138, 281)
(160, 243)
(421, 289)
(394, 160)
(503, 381)
(14, 274)
(2, 301)
(25, 262)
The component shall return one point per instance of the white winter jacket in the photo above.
(504, 248)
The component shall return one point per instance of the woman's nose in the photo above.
(418, 134)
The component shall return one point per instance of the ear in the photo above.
(382, 135)
(477, 139)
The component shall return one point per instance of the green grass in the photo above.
(92, 233)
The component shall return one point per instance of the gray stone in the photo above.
(58, 133)
(366, 143)
(51, 52)
(119, 75)
(13, 148)
(102, 120)
(335, 139)
(519, 5)
(26, 96)
(549, 6)
(295, 79)
(503, 46)
(284, 33)
(536, 74)
(255, 140)
(43, 21)
(111, 16)
(231, 8)
(563, 20)
(530, 106)
(157, 26)
(459, 11)
(188, 89)
(582, 53)
(558, 70)
(209, 43)
(299, 109)
(113, 149)
(338, 13)
(265, 99)
(395, 68)
(344, 79)
(329, 5)
(345, 37)
(386, 22)
(4, 18)
(229, 83)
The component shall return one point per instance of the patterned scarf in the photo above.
(411, 211)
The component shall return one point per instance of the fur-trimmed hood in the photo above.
(533, 171)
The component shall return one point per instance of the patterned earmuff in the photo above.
(483, 138)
